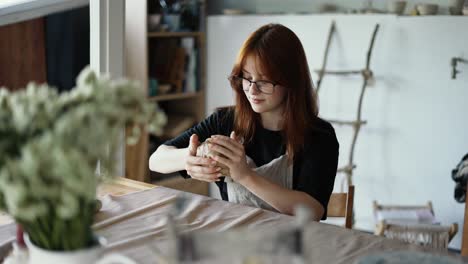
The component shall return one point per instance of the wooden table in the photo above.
(119, 186)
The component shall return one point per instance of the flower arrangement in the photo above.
(50, 144)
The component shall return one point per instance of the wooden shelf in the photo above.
(142, 48)
(177, 123)
(173, 96)
(174, 34)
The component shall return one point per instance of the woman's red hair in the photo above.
(282, 59)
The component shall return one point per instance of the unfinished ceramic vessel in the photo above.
(204, 151)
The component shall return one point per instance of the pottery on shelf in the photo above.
(396, 7)
(427, 9)
(154, 20)
(328, 8)
(234, 11)
(465, 11)
(456, 7)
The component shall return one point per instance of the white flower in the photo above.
(18, 204)
(86, 76)
(50, 143)
(158, 122)
(68, 207)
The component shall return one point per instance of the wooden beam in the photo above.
(325, 57)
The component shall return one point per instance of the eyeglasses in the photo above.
(265, 87)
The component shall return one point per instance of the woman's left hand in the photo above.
(234, 156)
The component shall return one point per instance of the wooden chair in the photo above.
(464, 246)
(433, 236)
(341, 205)
(423, 233)
(378, 207)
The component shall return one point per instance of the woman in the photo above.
(279, 153)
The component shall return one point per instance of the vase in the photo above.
(89, 255)
(173, 21)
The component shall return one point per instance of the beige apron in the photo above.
(277, 171)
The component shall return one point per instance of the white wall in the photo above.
(417, 124)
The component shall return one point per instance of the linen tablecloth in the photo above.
(142, 235)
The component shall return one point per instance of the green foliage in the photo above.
(49, 147)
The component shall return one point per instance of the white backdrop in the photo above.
(417, 119)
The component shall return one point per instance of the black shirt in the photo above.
(314, 167)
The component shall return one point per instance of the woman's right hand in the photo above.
(203, 169)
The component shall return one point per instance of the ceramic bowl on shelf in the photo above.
(396, 7)
(456, 7)
(233, 11)
(427, 9)
(328, 8)
(454, 11)
(154, 20)
(465, 11)
(456, 3)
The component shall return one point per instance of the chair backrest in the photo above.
(341, 205)
(418, 228)
(380, 207)
(421, 214)
(434, 236)
(464, 246)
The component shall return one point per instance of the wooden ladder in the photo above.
(367, 75)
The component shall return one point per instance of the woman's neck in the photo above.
(272, 121)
